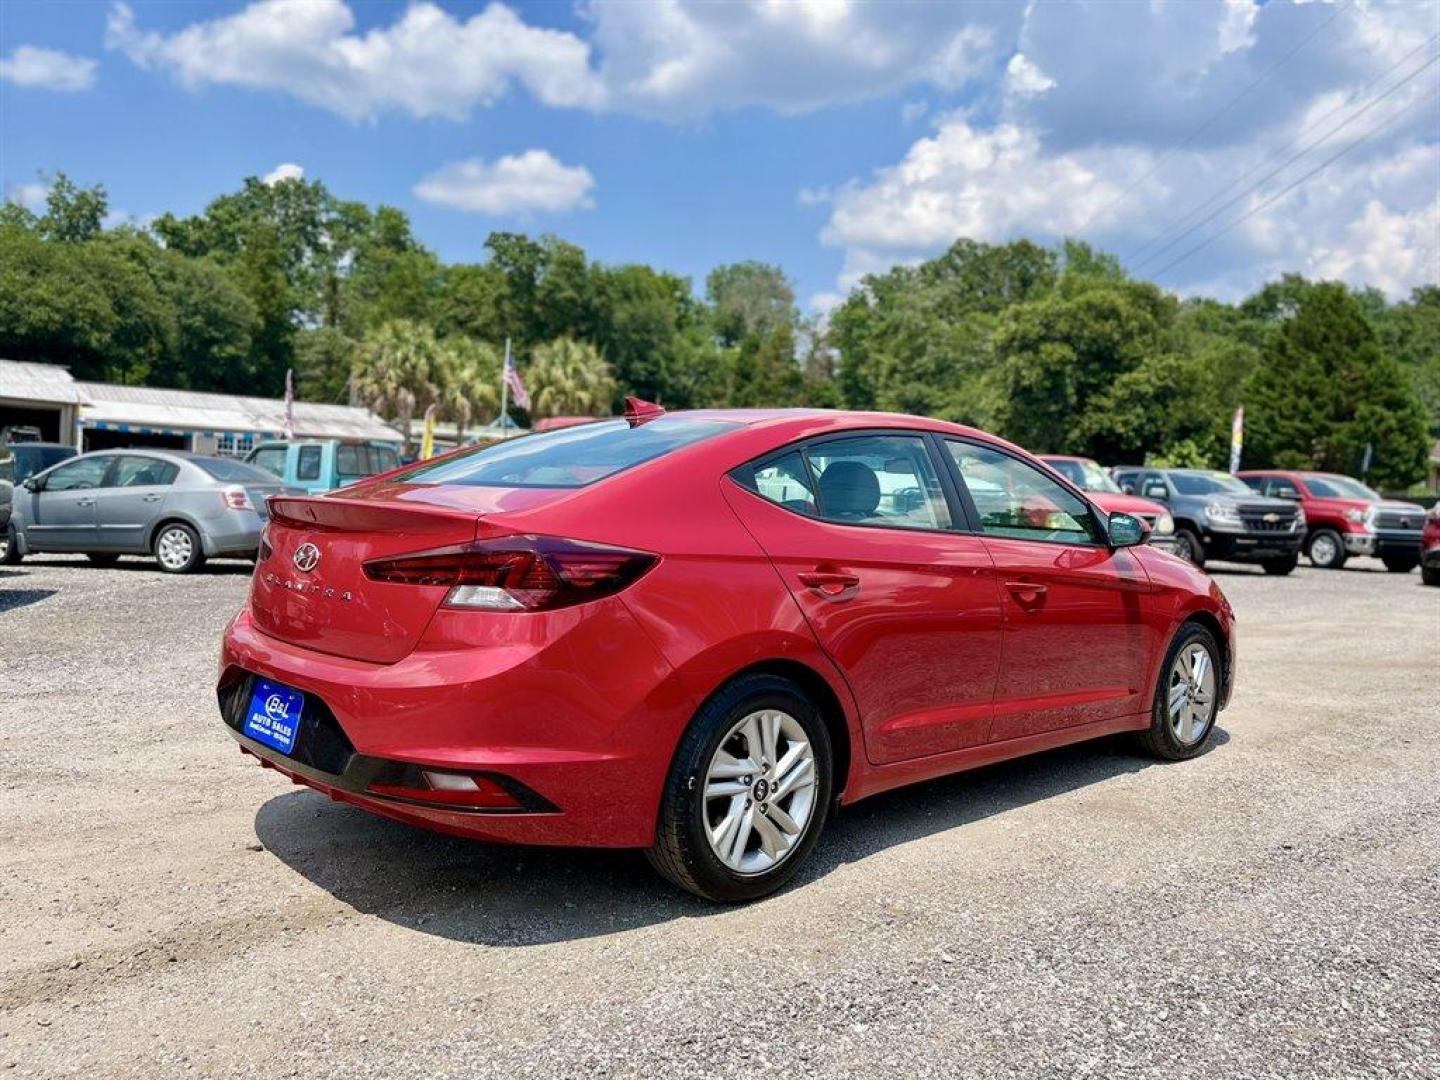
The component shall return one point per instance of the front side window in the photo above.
(309, 464)
(1016, 500)
(144, 472)
(79, 475)
(878, 480)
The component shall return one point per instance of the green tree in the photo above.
(750, 300)
(468, 377)
(73, 214)
(569, 378)
(395, 371)
(1324, 389)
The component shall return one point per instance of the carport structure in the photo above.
(42, 396)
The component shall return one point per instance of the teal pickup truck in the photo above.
(323, 464)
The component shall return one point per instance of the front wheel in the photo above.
(748, 792)
(1187, 696)
(177, 548)
(1400, 564)
(1326, 550)
(1430, 575)
(1281, 567)
(1189, 548)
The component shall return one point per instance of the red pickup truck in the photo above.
(1344, 518)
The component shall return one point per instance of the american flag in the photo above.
(512, 379)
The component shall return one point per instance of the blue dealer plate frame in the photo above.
(273, 717)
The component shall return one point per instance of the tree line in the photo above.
(1057, 348)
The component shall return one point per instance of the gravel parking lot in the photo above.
(1269, 909)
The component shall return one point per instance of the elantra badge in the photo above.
(307, 557)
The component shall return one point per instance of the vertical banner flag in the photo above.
(1237, 438)
(289, 403)
(1369, 457)
(513, 380)
(427, 434)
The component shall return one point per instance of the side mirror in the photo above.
(1126, 530)
(1158, 492)
(34, 483)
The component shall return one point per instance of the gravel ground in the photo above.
(1270, 909)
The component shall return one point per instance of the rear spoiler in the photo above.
(362, 515)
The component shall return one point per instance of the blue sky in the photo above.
(831, 138)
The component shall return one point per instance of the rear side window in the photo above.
(143, 472)
(885, 480)
(571, 458)
(308, 467)
(385, 458)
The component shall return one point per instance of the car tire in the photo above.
(1189, 547)
(1281, 567)
(102, 558)
(177, 548)
(1430, 575)
(1166, 738)
(1400, 565)
(1326, 550)
(701, 815)
(11, 555)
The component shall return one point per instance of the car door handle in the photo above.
(1027, 592)
(84, 502)
(149, 498)
(828, 582)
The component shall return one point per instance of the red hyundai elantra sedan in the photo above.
(699, 633)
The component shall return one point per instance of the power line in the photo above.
(1294, 184)
(1205, 124)
(1282, 166)
(1357, 95)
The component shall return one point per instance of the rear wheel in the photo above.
(102, 558)
(747, 794)
(1188, 547)
(1400, 564)
(177, 548)
(1326, 550)
(1187, 696)
(11, 555)
(1281, 567)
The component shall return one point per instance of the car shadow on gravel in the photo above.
(10, 599)
(492, 894)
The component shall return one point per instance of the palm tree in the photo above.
(394, 370)
(569, 378)
(469, 381)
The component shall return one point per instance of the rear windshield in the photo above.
(233, 472)
(1208, 483)
(354, 461)
(571, 458)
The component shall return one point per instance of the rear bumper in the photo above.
(583, 716)
(235, 532)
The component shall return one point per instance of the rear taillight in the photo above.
(236, 498)
(517, 573)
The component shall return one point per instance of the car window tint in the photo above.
(231, 471)
(570, 458)
(385, 458)
(783, 480)
(270, 458)
(309, 466)
(878, 480)
(143, 472)
(1019, 501)
(78, 475)
(1257, 483)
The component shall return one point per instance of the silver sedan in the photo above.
(181, 508)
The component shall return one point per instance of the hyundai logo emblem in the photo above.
(307, 557)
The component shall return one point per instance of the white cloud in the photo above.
(31, 196)
(287, 170)
(1023, 78)
(814, 196)
(1237, 25)
(48, 69)
(521, 183)
(672, 59)
(426, 63)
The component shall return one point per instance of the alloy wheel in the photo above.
(759, 791)
(1192, 693)
(174, 548)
